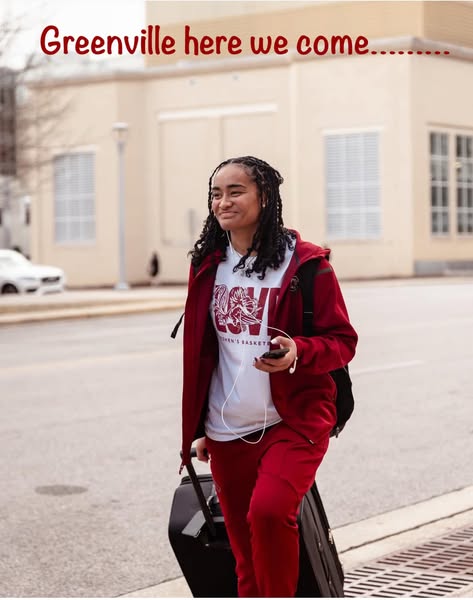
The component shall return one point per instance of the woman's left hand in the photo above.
(272, 365)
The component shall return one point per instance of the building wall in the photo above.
(184, 120)
(281, 113)
(371, 19)
(358, 94)
(450, 22)
(130, 109)
(166, 12)
(288, 109)
(189, 135)
(85, 125)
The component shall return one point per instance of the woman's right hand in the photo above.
(201, 449)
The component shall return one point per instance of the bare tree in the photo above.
(30, 114)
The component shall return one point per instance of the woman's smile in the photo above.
(236, 202)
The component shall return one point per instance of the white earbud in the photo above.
(293, 368)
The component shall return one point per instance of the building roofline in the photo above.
(199, 67)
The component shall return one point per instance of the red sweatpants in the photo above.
(260, 487)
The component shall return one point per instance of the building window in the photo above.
(352, 186)
(74, 197)
(439, 184)
(464, 184)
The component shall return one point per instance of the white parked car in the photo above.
(18, 275)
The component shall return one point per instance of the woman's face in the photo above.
(235, 200)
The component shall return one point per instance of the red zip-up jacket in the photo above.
(305, 400)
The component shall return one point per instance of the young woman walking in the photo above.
(263, 422)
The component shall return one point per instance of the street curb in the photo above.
(369, 539)
(355, 535)
(91, 311)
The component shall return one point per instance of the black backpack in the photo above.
(345, 401)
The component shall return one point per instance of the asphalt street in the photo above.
(89, 434)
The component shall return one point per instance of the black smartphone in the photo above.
(277, 353)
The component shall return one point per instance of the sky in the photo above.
(72, 17)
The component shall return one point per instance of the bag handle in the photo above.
(200, 495)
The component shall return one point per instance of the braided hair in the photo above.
(271, 237)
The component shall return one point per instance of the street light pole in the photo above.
(121, 129)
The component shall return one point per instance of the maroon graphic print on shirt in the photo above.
(237, 310)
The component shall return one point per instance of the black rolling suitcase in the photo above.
(320, 570)
(199, 540)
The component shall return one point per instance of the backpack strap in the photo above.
(307, 273)
(176, 326)
(345, 402)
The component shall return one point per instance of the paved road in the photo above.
(90, 425)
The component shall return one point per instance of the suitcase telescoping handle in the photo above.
(200, 495)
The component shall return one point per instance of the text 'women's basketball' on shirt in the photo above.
(239, 310)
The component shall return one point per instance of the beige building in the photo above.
(376, 149)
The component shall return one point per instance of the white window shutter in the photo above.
(74, 197)
(352, 186)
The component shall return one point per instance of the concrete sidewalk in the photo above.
(78, 304)
(402, 530)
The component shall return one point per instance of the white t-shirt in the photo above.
(239, 311)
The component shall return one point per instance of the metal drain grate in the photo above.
(441, 567)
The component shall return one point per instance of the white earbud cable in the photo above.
(240, 368)
(291, 371)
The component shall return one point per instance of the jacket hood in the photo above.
(307, 250)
